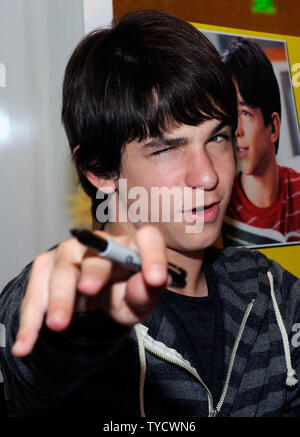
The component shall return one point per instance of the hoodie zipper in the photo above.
(212, 412)
(184, 366)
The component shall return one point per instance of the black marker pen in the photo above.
(122, 255)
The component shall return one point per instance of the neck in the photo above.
(262, 189)
(191, 262)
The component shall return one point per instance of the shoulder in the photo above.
(289, 173)
(16, 285)
(238, 255)
(250, 273)
(19, 283)
(242, 259)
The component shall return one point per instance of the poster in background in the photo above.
(278, 223)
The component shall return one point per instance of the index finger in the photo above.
(34, 305)
(153, 254)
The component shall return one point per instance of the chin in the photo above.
(195, 242)
(246, 170)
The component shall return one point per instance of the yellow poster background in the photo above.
(288, 256)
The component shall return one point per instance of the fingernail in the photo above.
(88, 280)
(56, 316)
(17, 345)
(157, 273)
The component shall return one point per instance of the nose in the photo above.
(201, 172)
(239, 130)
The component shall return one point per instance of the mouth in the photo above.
(206, 213)
(242, 151)
(201, 208)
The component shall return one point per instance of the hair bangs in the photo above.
(141, 78)
(156, 110)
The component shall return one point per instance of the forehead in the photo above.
(206, 127)
(181, 128)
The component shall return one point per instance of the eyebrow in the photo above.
(163, 142)
(219, 126)
(157, 143)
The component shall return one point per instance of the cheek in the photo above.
(248, 129)
(159, 176)
(148, 176)
(166, 177)
(253, 133)
(226, 169)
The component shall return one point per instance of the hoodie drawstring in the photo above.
(142, 356)
(290, 379)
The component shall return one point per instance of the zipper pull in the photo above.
(213, 412)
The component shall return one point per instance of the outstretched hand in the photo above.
(73, 278)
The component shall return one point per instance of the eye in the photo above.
(163, 152)
(246, 113)
(219, 138)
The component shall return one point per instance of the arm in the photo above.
(53, 357)
(59, 361)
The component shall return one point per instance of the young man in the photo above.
(150, 102)
(265, 203)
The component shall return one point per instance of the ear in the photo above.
(275, 127)
(104, 184)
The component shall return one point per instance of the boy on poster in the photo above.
(265, 203)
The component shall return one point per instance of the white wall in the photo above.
(97, 13)
(36, 176)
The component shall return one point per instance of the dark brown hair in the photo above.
(255, 77)
(132, 81)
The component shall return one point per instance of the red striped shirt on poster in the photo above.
(282, 216)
